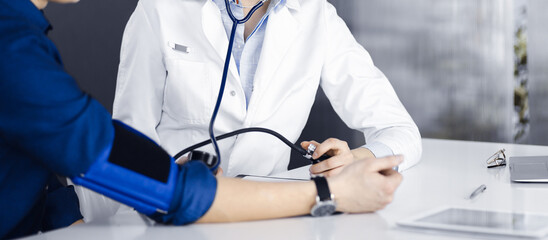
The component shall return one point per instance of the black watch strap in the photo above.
(322, 187)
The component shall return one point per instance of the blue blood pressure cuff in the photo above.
(137, 172)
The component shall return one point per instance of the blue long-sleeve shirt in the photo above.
(48, 125)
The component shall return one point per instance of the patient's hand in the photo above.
(366, 186)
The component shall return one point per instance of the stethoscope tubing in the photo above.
(235, 22)
(240, 131)
(214, 139)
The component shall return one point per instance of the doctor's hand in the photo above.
(340, 156)
(366, 185)
(182, 160)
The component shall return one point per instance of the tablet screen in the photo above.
(487, 219)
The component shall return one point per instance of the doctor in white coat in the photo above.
(172, 59)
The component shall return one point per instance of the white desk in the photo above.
(448, 173)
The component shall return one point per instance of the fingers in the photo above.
(304, 144)
(366, 185)
(386, 185)
(393, 180)
(331, 146)
(338, 149)
(387, 172)
(377, 165)
(330, 164)
(333, 172)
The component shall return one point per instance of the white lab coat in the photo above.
(169, 95)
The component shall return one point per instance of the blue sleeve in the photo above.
(62, 206)
(43, 113)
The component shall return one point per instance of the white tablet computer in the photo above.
(481, 221)
(269, 179)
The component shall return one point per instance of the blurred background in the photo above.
(464, 69)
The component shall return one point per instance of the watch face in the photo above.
(323, 209)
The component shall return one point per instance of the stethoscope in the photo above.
(211, 161)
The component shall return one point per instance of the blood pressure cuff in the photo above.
(139, 173)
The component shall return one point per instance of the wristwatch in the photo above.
(325, 201)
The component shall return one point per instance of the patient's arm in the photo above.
(363, 186)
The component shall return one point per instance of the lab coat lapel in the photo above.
(281, 30)
(214, 31)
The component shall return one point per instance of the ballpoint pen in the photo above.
(478, 191)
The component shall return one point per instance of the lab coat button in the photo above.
(233, 93)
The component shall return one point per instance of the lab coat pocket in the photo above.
(188, 94)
